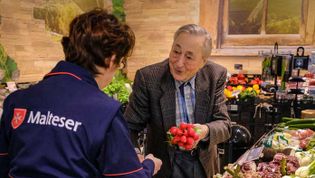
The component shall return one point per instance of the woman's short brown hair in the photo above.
(95, 36)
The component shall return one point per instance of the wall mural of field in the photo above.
(59, 13)
(30, 31)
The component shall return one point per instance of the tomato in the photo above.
(230, 88)
(240, 76)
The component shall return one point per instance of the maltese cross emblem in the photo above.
(18, 117)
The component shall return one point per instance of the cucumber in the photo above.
(303, 126)
(286, 119)
(300, 121)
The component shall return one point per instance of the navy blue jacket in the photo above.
(65, 126)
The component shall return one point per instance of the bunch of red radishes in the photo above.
(183, 136)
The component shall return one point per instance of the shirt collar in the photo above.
(64, 66)
(191, 81)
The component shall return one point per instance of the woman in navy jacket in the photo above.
(65, 126)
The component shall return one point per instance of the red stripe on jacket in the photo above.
(4, 154)
(124, 173)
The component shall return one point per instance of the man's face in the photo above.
(185, 58)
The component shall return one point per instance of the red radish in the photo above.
(183, 139)
(190, 141)
(173, 130)
(185, 132)
(190, 126)
(183, 126)
(188, 147)
(196, 137)
(191, 132)
(179, 132)
(174, 141)
(184, 136)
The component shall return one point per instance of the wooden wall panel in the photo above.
(153, 21)
(26, 41)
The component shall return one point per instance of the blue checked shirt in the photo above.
(185, 105)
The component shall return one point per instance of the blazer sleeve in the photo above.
(137, 111)
(220, 126)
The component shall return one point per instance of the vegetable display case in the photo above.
(287, 151)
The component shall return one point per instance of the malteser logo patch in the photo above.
(18, 117)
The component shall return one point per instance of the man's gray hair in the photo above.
(199, 31)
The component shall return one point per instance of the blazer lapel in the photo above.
(167, 101)
(202, 99)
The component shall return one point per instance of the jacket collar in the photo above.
(71, 69)
(167, 101)
(202, 97)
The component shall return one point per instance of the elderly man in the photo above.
(188, 88)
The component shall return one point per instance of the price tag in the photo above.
(232, 107)
(241, 160)
(255, 153)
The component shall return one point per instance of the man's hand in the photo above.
(203, 132)
(157, 162)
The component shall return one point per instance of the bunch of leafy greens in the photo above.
(7, 65)
(247, 94)
(118, 89)
(118, 10)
